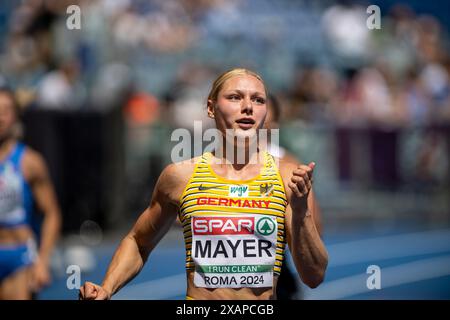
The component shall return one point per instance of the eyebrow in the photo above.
(243, 93)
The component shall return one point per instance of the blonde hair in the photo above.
(218, 83)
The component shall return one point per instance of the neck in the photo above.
(238, 154)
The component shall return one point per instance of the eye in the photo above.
(259, 100)
(234, 97)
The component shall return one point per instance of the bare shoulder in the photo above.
(179, 171)
(286, 166)
(31, 156)
(175, 176)
(33, 164)
(291, 158)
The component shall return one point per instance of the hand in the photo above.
(40, 275)
(92, 291)
(301, 184)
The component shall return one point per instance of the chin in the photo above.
(242, 134)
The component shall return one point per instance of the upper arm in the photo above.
(157, 219)
(37, 176)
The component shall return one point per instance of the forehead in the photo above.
(244, 83)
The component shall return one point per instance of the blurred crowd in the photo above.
(318, 57)
(376, 102)
(156, 60)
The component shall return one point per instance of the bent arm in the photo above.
(316, 212)
(44, 195)
(137, 245)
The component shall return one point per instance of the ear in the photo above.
(210, 106)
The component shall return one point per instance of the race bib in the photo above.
(234, 251)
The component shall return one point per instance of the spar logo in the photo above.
(223, 225)
(265, 226)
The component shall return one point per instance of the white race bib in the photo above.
(234, 251)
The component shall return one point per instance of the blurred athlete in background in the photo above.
(24, 182)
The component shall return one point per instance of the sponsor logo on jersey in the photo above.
(223, 225)
(238, 191)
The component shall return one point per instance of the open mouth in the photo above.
(245, 123)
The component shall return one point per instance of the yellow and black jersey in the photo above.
(212, 206)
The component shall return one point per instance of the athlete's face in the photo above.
(240, 106)
(7, 115)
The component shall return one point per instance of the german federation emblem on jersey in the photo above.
(266, 189)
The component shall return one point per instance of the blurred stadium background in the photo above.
(370, 107)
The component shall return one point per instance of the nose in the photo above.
(247, 106)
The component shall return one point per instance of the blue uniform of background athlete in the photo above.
(24, 184)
